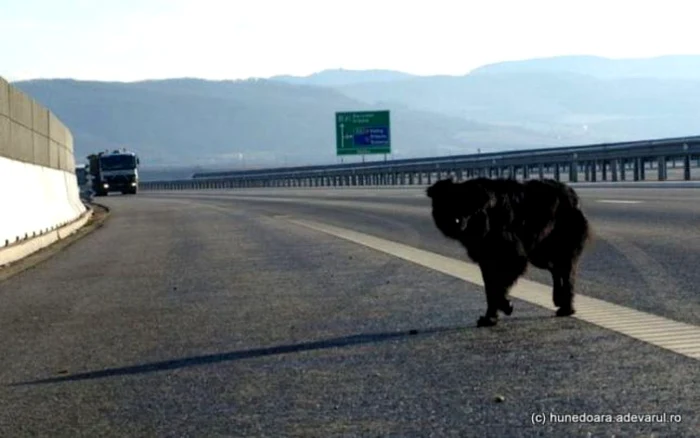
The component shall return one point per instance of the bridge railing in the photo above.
(605, 162)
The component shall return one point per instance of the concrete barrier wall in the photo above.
(38, 186)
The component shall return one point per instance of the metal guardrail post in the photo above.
(573, 170)
(623, 169)
(587, 171)
(604, 170)
(662, 169)
(594, 171)
(557, 172)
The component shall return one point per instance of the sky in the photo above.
(130, 40)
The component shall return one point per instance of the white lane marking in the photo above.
(655, 330)
(618, 201)
(370, 205)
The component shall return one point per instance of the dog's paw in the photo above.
(565, 311)
(557, 301)
(507, 307)
(485, 321)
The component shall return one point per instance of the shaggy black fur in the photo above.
(504, 224)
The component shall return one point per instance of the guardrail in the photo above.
(611, 161)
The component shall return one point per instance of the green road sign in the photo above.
(362, 133)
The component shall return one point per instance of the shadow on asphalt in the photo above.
(344, 341)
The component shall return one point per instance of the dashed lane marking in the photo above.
(618, 201)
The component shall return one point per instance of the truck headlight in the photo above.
(105, 185)
(133, 184)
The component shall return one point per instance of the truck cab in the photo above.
(115, 171)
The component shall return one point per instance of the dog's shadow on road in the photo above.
(339, 342)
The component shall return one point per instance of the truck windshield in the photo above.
(118, 162)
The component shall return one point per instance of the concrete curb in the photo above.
(25, 248)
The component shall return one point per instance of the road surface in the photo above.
(236, 313)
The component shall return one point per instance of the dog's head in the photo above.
(454, 203)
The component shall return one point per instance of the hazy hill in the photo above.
(339, 77)
(662, 67)
(580, 99)
(244, 123)
(547, 97)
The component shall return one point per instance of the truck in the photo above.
(115, 171)
(81, 175)
(83, 178)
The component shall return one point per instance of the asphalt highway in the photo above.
(217, 313)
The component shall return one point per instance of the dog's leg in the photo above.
(557, 288)
(508, 278)
(506, 305)
(572, 237)
(493, 294)
(564, 297)
(498, 278)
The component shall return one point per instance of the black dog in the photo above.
(504, 224)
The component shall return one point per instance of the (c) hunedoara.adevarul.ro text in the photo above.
(551, 417)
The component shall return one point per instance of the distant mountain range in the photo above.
(288, 120)
(334, 78)
(662, 67)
